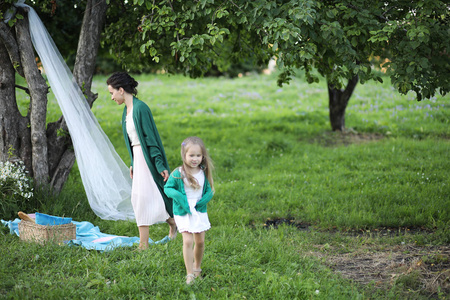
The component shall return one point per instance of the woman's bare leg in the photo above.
(173, 228)
(143, 237)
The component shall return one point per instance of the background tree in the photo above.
(335, 38)
(46, 153)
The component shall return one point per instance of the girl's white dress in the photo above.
(196, 221)
(148, 204)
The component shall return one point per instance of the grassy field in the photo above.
(300, 212)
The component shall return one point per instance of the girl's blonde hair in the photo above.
(206, 165)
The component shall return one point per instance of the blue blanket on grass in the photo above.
(89, 236)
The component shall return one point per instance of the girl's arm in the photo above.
(172, 190)
(207, 196)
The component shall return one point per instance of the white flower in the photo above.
(13, 178)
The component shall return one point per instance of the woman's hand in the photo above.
(165, 175)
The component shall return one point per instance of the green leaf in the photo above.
(410, 69)
(275, 46)
(330, 14)
(424, 62)
(142, 49)
(415, 44)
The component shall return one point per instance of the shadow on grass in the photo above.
(345, 138)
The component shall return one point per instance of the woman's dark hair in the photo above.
(123, 80)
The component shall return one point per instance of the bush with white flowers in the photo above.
(15, 186)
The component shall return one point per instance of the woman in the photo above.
(149, 168)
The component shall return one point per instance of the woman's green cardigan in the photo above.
(151, 145)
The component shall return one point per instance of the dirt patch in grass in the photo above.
(424, 269)
(274, 223)
(345, 138)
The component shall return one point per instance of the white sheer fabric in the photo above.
(105, 176)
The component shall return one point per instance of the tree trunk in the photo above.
(38, 93)
(11, 46)
(338, 100)
(91, 30)
(14, 135)
(62, 156)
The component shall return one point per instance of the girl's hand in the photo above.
(131, 172)
(165, 175)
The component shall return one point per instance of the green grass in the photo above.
(275, 157)
(265, 141)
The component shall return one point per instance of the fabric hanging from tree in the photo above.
(105, 176)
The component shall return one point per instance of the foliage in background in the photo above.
(62, 19)
(123, 38)
(337, 38)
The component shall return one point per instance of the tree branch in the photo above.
(176, 23)
(381, 17)
(23, 88)
(351, 86)
(11, 46)
(214, 14)
(236, 5)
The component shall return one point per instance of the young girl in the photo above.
(191, 188)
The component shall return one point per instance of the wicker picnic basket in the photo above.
(30, 231)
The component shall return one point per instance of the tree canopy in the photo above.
(339, 39)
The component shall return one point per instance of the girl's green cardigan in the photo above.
(174, 189)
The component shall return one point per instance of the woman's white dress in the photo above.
(196, 221)
(148, 204)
